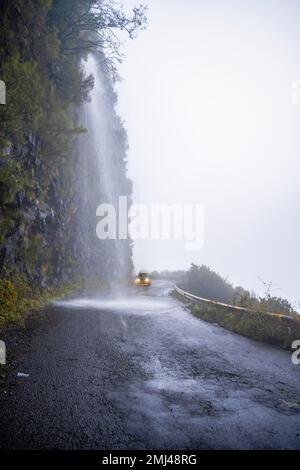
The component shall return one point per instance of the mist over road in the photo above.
(140, 372)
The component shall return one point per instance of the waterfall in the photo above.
(101, 162)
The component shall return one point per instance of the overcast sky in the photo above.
(206, 100)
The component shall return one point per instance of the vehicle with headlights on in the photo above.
(143, 280)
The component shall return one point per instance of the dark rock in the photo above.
(20, 197)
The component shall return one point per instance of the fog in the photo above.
(206, 97)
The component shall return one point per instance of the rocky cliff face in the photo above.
(48, 219)
(52, 174)
(35, 218)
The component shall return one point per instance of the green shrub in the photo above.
(8, 302)
(18, 298)
(275, 329)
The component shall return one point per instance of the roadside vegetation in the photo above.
(276, 329)
(269, 318)
(18, 298)
(204, 282)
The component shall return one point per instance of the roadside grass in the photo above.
(276, 329)
(18, 298)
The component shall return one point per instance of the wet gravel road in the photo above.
(142, 373)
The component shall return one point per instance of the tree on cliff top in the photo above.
(41, 45)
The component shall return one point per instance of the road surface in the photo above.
(140, 372)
